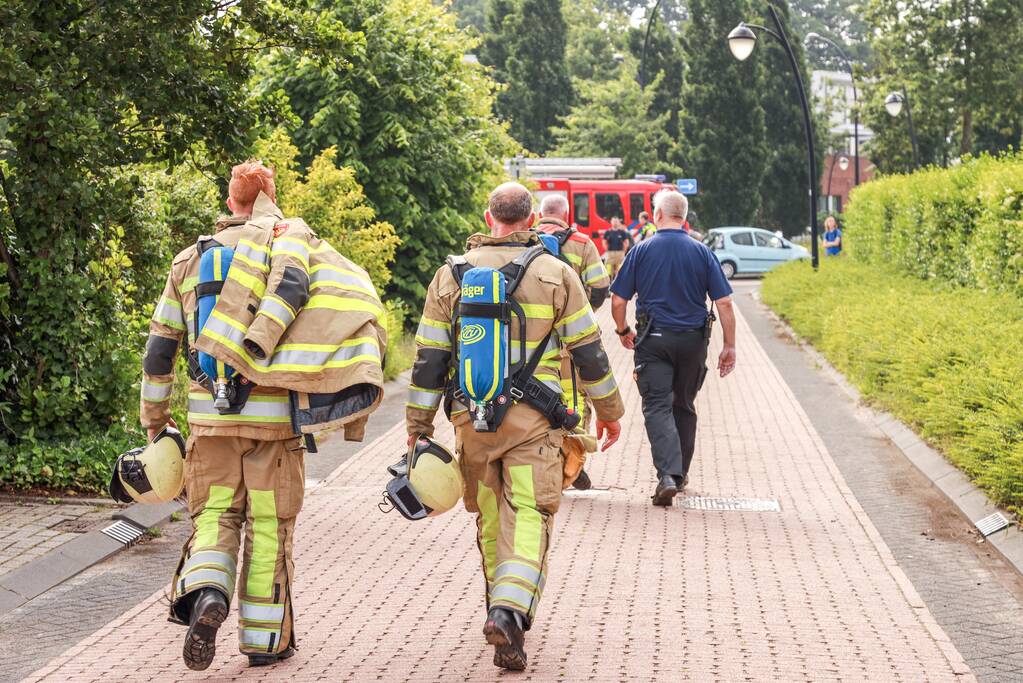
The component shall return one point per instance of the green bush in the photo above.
(401, 346)
(961, 224)
(942, 358)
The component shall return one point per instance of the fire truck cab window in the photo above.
(581, 215)
(609, 205)
(635, 205)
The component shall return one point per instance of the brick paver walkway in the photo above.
(29, 530)
(634, 593)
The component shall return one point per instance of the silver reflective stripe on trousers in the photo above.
(254, 611)
(258, 639)
(512, 593)
(204, 578)
(517, 570)
(209, 559)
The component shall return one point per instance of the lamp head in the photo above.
(893, 104)
(741, 42)
(843, 162)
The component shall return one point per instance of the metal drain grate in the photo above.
(992, 523)
(124, 532)
(728, 504)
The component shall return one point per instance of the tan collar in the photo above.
(557, 222)
(225, 222)
(523, 237)
(264, 207)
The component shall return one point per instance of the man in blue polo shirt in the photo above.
(673, 275)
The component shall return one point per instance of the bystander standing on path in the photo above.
(617, 242)
(673, 276)
(832, 237)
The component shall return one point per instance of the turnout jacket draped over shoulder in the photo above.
(294, 315)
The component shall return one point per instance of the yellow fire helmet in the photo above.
(153, 473)
(427, 481)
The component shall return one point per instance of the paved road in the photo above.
(43, 628)
(808, 592)
(975, 595)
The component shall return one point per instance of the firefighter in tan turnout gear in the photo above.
(249, 406)
(579, 252)
(509, 447)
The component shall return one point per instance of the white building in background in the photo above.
(833, 96)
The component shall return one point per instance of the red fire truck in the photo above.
(593, 203)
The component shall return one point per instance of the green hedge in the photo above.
(963, 224)
(944, 359)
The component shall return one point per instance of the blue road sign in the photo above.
(686, 185)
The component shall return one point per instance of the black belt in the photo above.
(655, 328)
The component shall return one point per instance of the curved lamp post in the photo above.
(741, 42)
(646, 42)
(856, 100)
(893, 105)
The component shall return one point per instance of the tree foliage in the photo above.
(961, 64)
(785, 202)
(723, 120)
(617, 118)
(526, 46)
(85, 89)
(410, 117)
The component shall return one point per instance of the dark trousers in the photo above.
(670, 369)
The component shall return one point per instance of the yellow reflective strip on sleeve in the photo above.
(440, 325)
(254, 284)
(594, 273)
(528, 521)
(262, 267)
(574, 259)
(272, 317)
(207, 524)
(259, 582)
(575, 316)
(344, 303)
(189, 283)
(257, 247)
(538, 311)
(490, 527)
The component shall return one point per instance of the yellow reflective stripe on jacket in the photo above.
(342, 303)
(602, 388)
(271, 409)
(594, 273)
(574, 259)
(538, 311)
(250, 282)
(434, 333)
(168, 312)
(156, 392)
(292, 357)
(327, 275)
(188, 284)
(577, 325)
(426, 399)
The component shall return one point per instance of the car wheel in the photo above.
(728, 268)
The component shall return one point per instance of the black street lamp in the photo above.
(646, 42)
(741, 42)
(843, 163)
(893, 104)
(856, 101)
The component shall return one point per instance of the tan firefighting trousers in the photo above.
(231, 482)
(513, 484)
(614, 262)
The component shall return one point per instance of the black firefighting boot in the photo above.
(504, 631)
(209, 610)
(267, 660)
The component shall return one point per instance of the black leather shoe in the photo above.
(582, 482)
(504, 632)
(267, 660)
(665, 491)
(209, 609)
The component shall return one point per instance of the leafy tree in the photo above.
(411, 118)
(962, 65)
(723, 120)
(840, 20)
(87, 88)
(470, 13)
(615, 118)
(784, 190)
(597, 41)
(527, 51)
